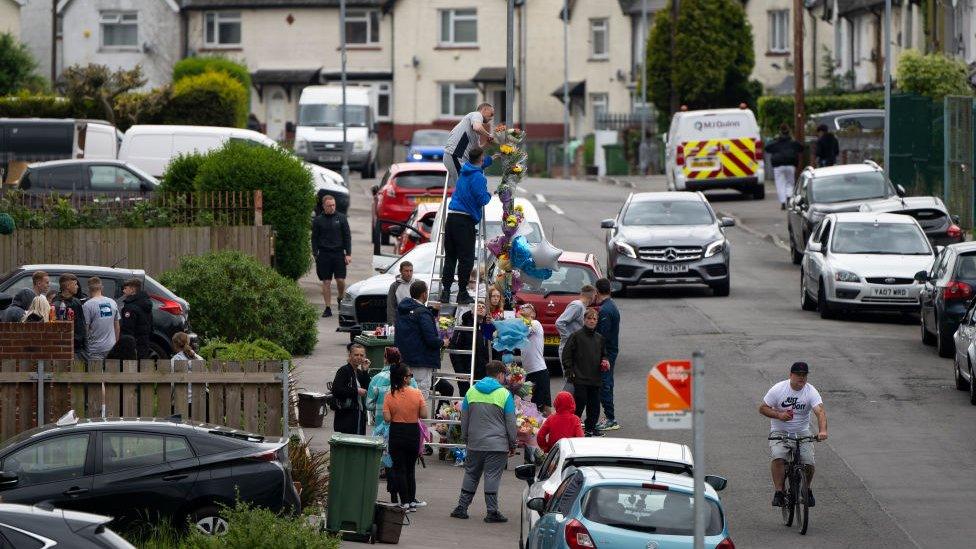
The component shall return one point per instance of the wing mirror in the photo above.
(955, 219)
(537, 504)
(727, 222)
(900, 190)
(814, 247)
(921, 276)
(608, 224)
(526, 472)
(716, 482)
(8, 480)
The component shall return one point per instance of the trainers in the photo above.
(327, 312)
(406, 508)
(609, 425)
(417, 503)
(594, 433)
(464, 298)
(495, 516)
(459, 513)
(811, 502)
(778, 499)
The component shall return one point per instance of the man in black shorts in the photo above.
(332, 248)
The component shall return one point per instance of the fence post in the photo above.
(258, 208)
(40, 393)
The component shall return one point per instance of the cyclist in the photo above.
(788, 405)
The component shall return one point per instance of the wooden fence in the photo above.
(248, 396)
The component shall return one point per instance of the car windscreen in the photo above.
(651, 510)
(849, 186)
(422, 258)
(430, 138)
(331, 115)
(420, 180)
(567, 279)
(530, 230)
(879, 239)
(668, 212)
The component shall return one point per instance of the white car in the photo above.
(632, 453)
(864, 261)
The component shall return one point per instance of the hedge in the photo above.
(289, 196)
(26, 105)
(142, 107)
(181, 173)
(234, 298)
(194, 66)
(208, 99)
(933, 75)
(259, 349)
(778, 109)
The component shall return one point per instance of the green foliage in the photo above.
(208, 99)
(235, 298)
(310, 467)
(7, 223)
(589, 148)
(288, 196)
(933, 75)
(195, 66)
(142, 107)
(26, 105)
(16, 65)
(713, 56)
(778, 109)
(100, 85)
(259, 349)
(181, 172)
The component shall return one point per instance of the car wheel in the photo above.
(759, 192)
(806, 303)
(207, 520)
(723, 288)
(961, 383)
(157, 351)
(943, 343)
(972, 387)
(823, 306)
(927, 337)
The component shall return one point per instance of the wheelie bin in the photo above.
(354, 467)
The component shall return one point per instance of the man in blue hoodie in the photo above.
(463, 215)
(488, 429)
(416, 337)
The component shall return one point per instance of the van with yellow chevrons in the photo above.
(715, 149)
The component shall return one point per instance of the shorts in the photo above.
(541, 394)
(330, 264)
(780, 449)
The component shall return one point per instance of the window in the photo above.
(458, 99)
(177, 449)
(642, 509)
(459, 27)
(120, 29)
(779, 31)
(598, 104)
(382, 101)
(564, 497)
(62, 178)
(222, 28)
(363, 27)
(599, 39)
(20, 539)
(51, 460)
(113, 178)
(129, 450)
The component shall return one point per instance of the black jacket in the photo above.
(582, 355)
(351, 421)
(416, 335)
(81, 330)
(461, 339)
(137, 320)
(331, 233)
(784, 151)
(828, 149)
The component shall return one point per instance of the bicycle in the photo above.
(795, 485)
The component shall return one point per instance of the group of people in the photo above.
(785, 151)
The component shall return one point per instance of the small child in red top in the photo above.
(562, 424)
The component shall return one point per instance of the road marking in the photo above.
(540, 199)
(556, 209)
(521, 190)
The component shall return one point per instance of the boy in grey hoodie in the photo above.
(399, 290)
(571, 321)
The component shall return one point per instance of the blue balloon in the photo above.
(508, 358)
(511, 334)
(521, 258)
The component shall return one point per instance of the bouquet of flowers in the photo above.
(450, 434)
(516, 383)
(527, 421)
(445, 326)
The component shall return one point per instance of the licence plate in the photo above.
(426, 199)
(330, 158)
(706, 162)
(890, 292)
(668, 268)
(551, 340)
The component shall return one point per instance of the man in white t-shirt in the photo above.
(788, 405)
(534, 363)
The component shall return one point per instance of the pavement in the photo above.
(895, 471)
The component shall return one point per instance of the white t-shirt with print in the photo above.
(782, 397)
(532, 359)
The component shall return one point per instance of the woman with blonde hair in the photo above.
(39, 310)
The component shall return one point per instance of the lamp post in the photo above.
(887, 84)
(642, 151)
(510, 65)
(566, 89)
(342, 42)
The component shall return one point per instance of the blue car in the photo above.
(427, 145)
(626, 508)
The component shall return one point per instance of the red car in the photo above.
(575, 270)
(405, 186)
(420, 224)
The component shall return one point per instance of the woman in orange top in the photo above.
(402, 409)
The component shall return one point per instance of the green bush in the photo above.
(181, 172)
(25, 105)
(589, 148)
(778, 109)
(933, 75)
(235, 298)
(289, 196)
(194, 66)
(259, 349)
(142, 107)
(16, 65)
(208, 99)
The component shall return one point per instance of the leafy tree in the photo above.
(99, 84)
(16, 65)
(713, 56)
(933, 75)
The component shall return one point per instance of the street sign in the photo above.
(669, 395)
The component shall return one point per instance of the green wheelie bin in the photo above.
(354, 469)
(375, 348)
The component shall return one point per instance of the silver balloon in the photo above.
(545, 255)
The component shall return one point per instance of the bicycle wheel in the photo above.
(802, 509)
(788, 491)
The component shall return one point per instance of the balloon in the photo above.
(545, 255)
(497, 245)
(538, 274)
(520, 253)
(530, 281)
(510, 334)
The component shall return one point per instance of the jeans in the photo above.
(588, 398)
(459, 237)
(606, 394)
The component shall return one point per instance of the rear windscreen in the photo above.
(650, 510)
(420, 180)
(966, 267)
(716, 126)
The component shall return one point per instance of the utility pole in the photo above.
(523, 72)
(798, 91)
(509, 65)
(887, 84)
(566, 89)
(54, 42)
(342, 42)
(642, 150)
(698, 444)
(674, 34)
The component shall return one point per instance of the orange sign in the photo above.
(669, 395)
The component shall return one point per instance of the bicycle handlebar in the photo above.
(808, 438)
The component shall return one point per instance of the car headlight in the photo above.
(715, 247)
(417, 156)
(301, 146)
(625, 249)
(846, 276)
(359, 146)
(346, 298)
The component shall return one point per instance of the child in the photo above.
(563, 424)
(584, 357)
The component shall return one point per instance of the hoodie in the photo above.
(563, 424)
(137, 320)
(81, 329)
(416, 335)
(471, 191)
(399, 291)
(488, 417)
(18, 307)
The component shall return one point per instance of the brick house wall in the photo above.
(37, 340)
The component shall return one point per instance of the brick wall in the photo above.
(36, 340)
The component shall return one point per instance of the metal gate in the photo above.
(958, 170)
(917, 144)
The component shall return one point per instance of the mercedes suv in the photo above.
(668, 238)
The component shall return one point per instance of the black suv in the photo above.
(110, 177)
(169, 310)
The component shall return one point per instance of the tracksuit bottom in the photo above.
(459, 238)
(588, 398)
(476, 463)
(606, 394)
(404, 450)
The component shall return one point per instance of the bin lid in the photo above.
(311, 394)
(372, 341)
(342, 439)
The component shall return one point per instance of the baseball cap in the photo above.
(800, 368)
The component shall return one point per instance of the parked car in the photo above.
(104, 177)
(170, 312)
(930, 212)
(404, 187)
(821, 191)
(847, 119)
(135, 469)
(43, 526)
(427, 145)
(947, 289)
(621, 507)
(864, 261)
(668, 238)
(965, 356)
(319, 136)
(568, 453)
(419, 227)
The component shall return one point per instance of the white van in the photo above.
(318, 136)
(151, 148)
(715, 149)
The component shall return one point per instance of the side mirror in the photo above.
(608, 224)
(537, 504)
(8, 480)
(814, 247)
(728, 222)
(955, 219)
(921, 276)
(526, 472)
(374, 189)
(716, 482)
(900, 190)
(396, 230)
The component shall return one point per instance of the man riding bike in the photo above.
(787, 405)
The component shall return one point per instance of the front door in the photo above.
(276, 115)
